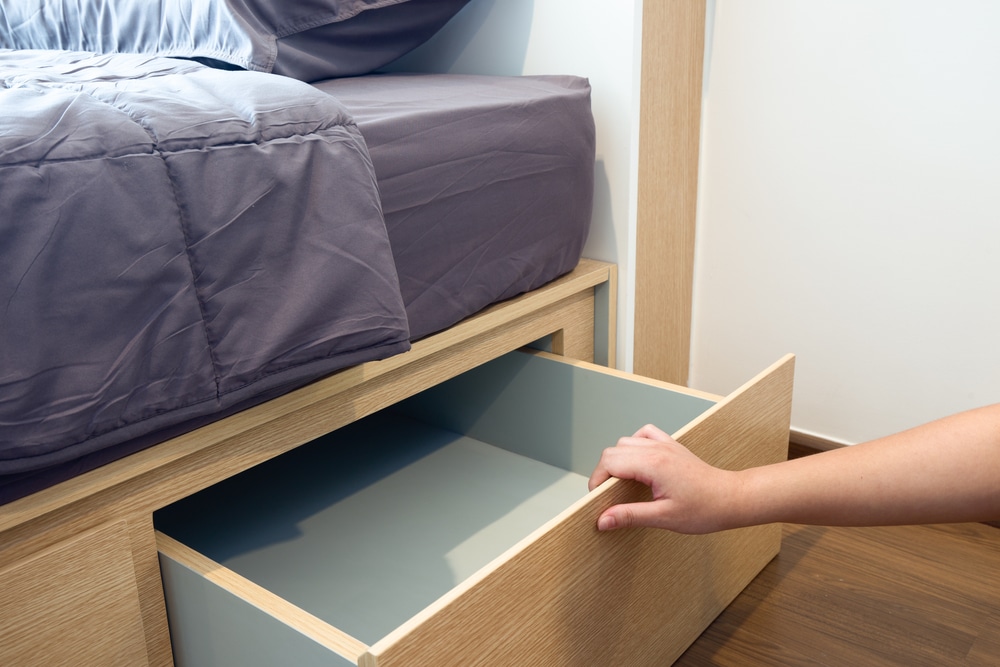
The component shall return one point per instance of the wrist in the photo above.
(747, 503)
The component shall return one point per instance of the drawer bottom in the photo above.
(366, 527)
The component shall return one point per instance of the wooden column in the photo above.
(673, 44)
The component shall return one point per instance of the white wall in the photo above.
(849, 208)
(597, 39)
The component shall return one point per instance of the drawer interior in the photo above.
(368, 525)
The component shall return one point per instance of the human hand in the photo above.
(689, 495)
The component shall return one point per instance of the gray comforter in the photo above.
(176, 242)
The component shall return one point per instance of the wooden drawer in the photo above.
(456, 529)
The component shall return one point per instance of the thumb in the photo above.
(631, 515)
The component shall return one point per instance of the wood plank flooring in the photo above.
(913, 595)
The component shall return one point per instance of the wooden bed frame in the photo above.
(79, 574)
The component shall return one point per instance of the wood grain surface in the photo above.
(74, 604)
(125, 493)
(911, 595)
(673, 45)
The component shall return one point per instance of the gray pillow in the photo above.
(304, 39)
(361, 36)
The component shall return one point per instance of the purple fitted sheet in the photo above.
(486, 183)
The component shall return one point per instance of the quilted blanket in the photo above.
(176, 242)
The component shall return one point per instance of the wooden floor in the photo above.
(908, 596)
(917, 595)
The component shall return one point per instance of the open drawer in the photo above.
(456, 528)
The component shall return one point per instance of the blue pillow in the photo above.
(304, 39)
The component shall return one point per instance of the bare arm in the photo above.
(944, 471)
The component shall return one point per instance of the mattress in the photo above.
(180, 243)
(486, 183)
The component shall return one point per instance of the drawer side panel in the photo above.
(210, 625)
(550, 410)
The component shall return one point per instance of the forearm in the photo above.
(945, 471)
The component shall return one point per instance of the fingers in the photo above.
(688, 494)
(633, 457)
(651, 432)
(600, 475)
(624, 461)
(633, 515)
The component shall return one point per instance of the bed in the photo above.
(226, 236)
(265, 232)
(223, 236)
(191, 228)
